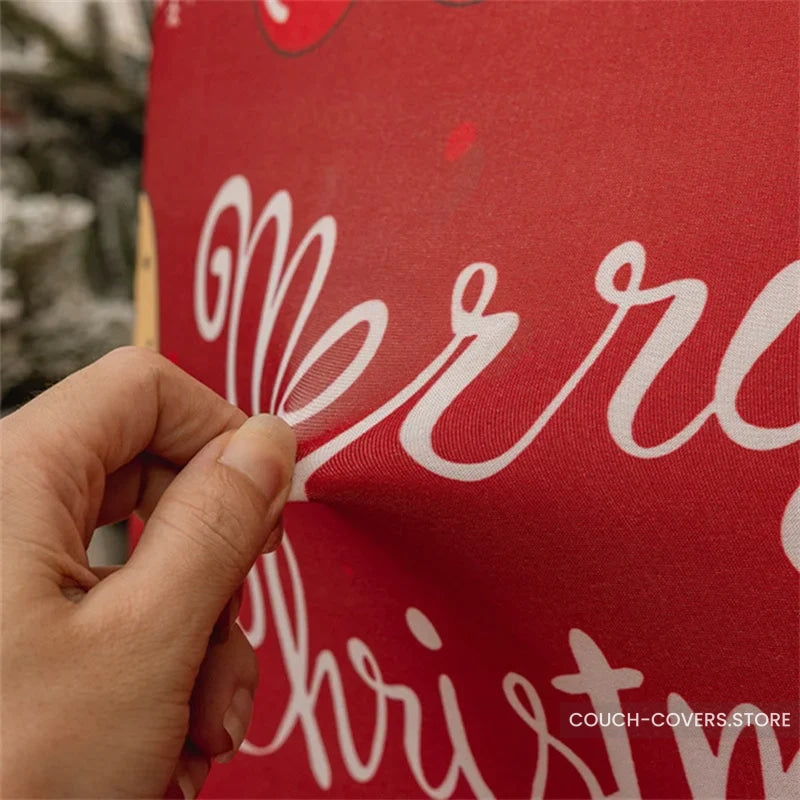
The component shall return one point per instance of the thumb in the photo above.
(211, 524)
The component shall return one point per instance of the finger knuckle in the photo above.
(218, 520)
(134, 360)
(130, 354)
(206, 528)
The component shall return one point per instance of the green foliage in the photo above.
(72, 123)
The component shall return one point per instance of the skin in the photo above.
(128, 682)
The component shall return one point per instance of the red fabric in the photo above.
(538, 138)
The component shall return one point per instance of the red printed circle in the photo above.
(294, 27)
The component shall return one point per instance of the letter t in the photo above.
(596, 678)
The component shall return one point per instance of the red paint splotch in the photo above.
(458, 143)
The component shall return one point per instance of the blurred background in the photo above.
(73, 80)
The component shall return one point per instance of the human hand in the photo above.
(126, 682)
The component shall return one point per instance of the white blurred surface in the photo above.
(124, 23)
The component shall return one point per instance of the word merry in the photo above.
(479, 337)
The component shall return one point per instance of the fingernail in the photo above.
(264, 450)
(274, 538)
(236, 721)
(235, 606)
(184, 781)
(227, 619)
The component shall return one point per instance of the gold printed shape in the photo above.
(145, 279)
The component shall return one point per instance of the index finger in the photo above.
(130, 401)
